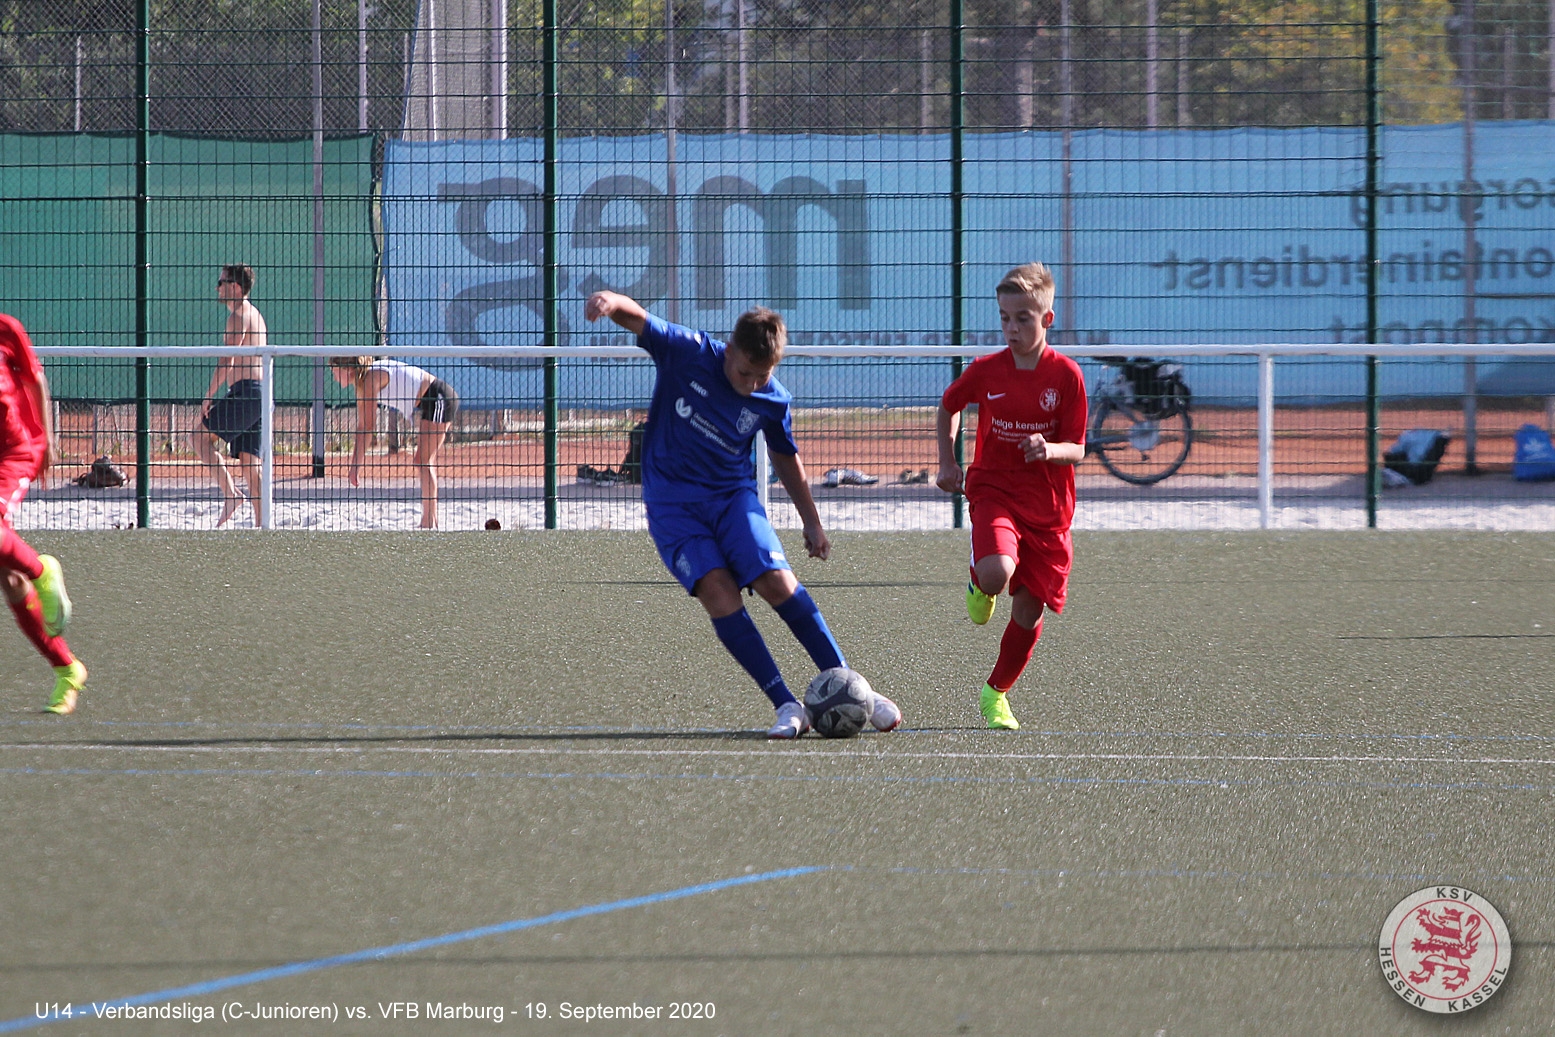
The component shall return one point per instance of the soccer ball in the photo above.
(840, 701)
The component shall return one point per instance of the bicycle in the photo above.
(1141, 419)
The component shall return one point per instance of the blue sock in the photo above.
(739, 634)
(803, 617)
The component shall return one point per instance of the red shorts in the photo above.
(1043, 557)
(18, 471)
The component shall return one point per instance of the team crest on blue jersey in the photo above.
(747, 421)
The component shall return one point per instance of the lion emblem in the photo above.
(1452, 939)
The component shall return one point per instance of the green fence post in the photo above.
(142, 270)
(320, 365)
(552, 323)
(1373, 160)
(957, 256)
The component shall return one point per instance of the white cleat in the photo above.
(884, 714)
(793, 720)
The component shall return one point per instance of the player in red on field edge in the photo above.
(1031, 413)
(34, 584)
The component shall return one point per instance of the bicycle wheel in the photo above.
(1138, 449)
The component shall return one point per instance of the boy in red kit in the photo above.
(34, 585)
(1020, 488)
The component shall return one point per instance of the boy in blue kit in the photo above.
(699, 489)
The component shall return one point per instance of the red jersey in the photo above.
(1011, 405)
(20, 372)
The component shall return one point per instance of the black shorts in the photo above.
(235, 417)
(439, 403)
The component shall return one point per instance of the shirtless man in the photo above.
(235, 417)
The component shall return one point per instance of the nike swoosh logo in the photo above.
(996, 395)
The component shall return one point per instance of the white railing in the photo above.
(1265, 353)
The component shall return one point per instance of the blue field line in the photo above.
(396, 950)
(1143, 782)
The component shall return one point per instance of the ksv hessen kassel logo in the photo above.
(1049, 398)
(1445, 949)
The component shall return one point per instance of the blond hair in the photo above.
(357, 365)
(1033, 279)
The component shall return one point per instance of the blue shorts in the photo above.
(719, 533)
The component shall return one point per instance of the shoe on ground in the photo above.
(996, 710)
(848, 477)
(793, 720)
(52, 597)
(600, 476)
(68, 681)
(884, 714)
(979, 606)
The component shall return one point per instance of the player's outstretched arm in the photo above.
(790, 472)
(946, 425)
(622, 309)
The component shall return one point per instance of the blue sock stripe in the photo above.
(738, 633)
(400, 949)
(804, 618)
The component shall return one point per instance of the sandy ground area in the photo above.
(1451, 501)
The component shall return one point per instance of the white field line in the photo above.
(877, 757)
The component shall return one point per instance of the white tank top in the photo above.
(404, 386)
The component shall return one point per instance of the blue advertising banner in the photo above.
(1235, 236)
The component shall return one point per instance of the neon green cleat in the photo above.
(52, 596)
(996, 710)
(68, 681)
(979, 606)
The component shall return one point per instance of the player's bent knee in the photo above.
(775, 586)
(718, 594)
(994, 573)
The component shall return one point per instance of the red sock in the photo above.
(29, 616)
(17, 554)
(1014, 653)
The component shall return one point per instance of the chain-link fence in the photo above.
(406, 173)
(242, 69)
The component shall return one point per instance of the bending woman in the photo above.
(418, 396)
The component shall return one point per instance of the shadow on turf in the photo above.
(488, 736)
(868, 584)
(1440, 637)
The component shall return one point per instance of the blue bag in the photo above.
(1533, 459)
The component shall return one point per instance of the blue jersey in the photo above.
(698, 440)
